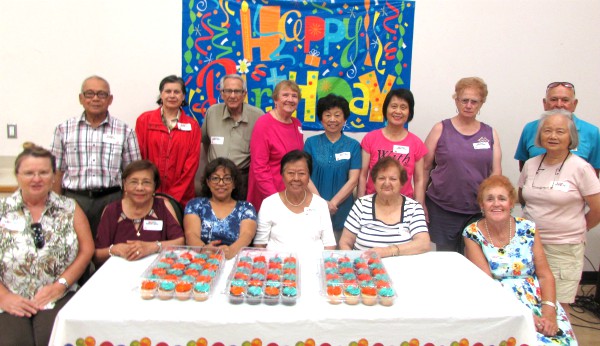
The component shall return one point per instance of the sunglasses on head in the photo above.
(38, 237)
(565, 84)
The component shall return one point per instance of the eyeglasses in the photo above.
(134, 183)
(565, 84)
(38, 237)
(216, 179)
(232, 91)
(465, 102)
(89, 94)
(31, 175)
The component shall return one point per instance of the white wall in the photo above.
(517, 47)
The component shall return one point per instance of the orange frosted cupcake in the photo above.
(183, 290)
(369, 295)
(148, 289)
(334, 293)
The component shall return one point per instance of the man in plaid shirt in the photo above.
(92, 150)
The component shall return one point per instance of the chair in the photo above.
(174, 203)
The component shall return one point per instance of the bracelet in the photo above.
(159, 244)
(549, 303)
(110, 248)
(397, 248)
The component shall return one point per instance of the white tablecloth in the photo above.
(442, 298)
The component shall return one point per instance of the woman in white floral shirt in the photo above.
(45, 246)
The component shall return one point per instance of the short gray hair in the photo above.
(233, 76)
(573, 135)
(97, 78)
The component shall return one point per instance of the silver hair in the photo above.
(233, 76)
(573, 135)
(95, 77)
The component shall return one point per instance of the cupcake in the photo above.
(160, 272)
(276, 259)
(164, 265)
(201, 256)
(369, 295)
(260, 259)
(241, 276)
(148, 289)
(201, 290)
(290, 259)
(183, 290)
(257, 276)
(166, 290)
(274, 265)
(255, 283)
(184, 261)
(171, 254)
(352, 294)
(386, 296)
(289, 294)
(289, 265)
(236, 293)
(259, 265)
(186, 255)
(334, 294)
(176, 272)
(188, 278)
(272, 295)
(246, 259)
(254, 295)
(192, 272)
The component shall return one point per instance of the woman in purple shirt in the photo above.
(462, 152)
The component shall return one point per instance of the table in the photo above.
(443, 299)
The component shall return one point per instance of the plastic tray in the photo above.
(183, 273)
(263, 276)
(355, 277)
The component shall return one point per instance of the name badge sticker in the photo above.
(561, 186)
(481, 145)
(342, 156)
(111, 139)
(184, 126)
(401, 149)
(153, 225)
(214, 140)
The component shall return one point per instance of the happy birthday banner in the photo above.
(356, 49)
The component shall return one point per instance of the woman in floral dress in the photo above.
(509, 250)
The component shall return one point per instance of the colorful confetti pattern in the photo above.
(359, 49)
(90, 341)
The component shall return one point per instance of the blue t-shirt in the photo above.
(588, 148)
(226, 230)
(332, 163)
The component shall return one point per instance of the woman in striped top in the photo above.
(388, 222)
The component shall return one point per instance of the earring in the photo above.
(482, 213)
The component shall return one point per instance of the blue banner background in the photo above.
(357, 49)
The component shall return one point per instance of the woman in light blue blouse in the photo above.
(336, 160)
(218, 218)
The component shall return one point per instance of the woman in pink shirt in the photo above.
(274, 135)
(396, 141)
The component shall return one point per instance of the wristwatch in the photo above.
(64, 282)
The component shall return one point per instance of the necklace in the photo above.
(292, 204)
(490, 236)
(137, 222)
(556, 173)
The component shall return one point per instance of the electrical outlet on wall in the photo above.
(11, 130)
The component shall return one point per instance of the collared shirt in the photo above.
(24, 269)
(93, 158)
(224, 137)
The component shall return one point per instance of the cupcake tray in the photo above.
(354, 277)
(183, 273)
(264, 276)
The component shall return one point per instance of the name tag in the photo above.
(217, 140)
(112, 139)
(342, 156)
(561, 186)
(153, 225)
(184, 126)
(308, 210)
(481, 145)
(401, 149)
(17, 225)
(300, 129)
